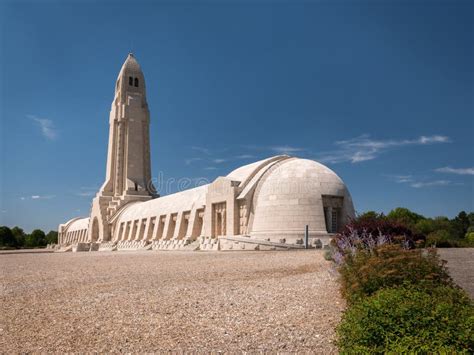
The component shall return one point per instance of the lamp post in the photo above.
(306, 237)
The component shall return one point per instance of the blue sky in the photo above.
(380, 91)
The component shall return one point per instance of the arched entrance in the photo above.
(95, 230)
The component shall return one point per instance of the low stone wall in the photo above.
(81, 247)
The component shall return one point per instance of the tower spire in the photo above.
(128, 172)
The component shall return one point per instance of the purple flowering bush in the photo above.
(367, 233)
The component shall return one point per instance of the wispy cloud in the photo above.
(285, 149)
(191, 160)
(201, 150)
(86, 193)
(400, 179)
(417, 183)
(210, 168)
(420, 184)
(37, 197)
(458, 171)
(210, 157)
(364, 148)
(47, 127)
(245, 156)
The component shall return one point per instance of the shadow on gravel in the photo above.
(26, 251)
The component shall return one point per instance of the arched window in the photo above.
(136, 82)
(130, 81)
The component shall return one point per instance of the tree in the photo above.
(19, 235)
(470, 216)
(370, 215)
(6, 237)
(405, 216)
(459, 225)
(425, 226)
(52, 237)
(37, 238)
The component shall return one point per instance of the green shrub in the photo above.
(327, 254)
(440, 238)
(367, 271)
(470, 238)
(409, 320)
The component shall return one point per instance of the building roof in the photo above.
(78, 224)
(244, 172)
(177, 202)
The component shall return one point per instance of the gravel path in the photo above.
(460, 266)
(156, 301)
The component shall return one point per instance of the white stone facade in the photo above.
(263, 205)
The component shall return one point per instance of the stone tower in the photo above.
(128, 173)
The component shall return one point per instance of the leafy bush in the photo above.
(439, 238)
(443, 239)
(470, 238)
(366, 271)
(409, 320)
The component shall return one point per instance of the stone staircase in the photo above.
(64, 249)
(174, 244)
(208, 243)
(108, 246)
(77, 247)
(133, 245)
(247, 243)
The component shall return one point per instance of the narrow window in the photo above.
(130, 81)
(136, 187)
(136, 82)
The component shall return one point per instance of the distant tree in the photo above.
(52, 237)
(459, 225)
(425, 226)
(405, 216)
(6, 237)
(19, 235)
(37, 238)
(371, 215)
(470, 216)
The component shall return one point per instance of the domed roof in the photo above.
(243, 172)
(290, 195)
(78, 224)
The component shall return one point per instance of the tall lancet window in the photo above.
(136, 82)
(130, 81)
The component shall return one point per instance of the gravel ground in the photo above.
(460, 266)
(158, 301)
